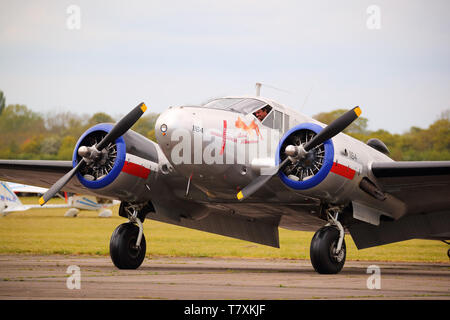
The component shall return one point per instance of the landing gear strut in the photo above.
(127, 245)
(328, 250)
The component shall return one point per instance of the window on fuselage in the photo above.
(278, 121)
(286, 123)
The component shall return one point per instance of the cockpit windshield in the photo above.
(242, 105)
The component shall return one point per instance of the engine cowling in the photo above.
(323, 173)
(102, 173)
(123, 169)
(336, 172)
(309, 172)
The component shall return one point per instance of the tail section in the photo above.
(9, 202)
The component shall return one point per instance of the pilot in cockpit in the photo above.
(262, 113)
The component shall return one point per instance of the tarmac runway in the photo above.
(92, 277)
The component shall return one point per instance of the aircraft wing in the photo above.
(424, 186)
(23, 188)
(25, 207)
(42, 173)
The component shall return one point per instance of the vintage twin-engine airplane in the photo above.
(242, 167)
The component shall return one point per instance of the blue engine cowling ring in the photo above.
(118, 163)
(324, 170)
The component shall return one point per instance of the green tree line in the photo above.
(25, 134)
(416, 144)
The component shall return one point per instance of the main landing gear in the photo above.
(328, 249)
(127, 245)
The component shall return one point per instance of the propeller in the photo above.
(260, 181)
(298, 153)
(90, 154)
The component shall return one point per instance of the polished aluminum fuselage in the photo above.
(218, 152)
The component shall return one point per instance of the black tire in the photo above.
(322, 251)
(122, 248)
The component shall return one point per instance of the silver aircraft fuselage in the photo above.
(221, 147)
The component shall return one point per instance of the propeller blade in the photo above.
(60, 184)
(122, 126)
(259, 182)
(333, 128)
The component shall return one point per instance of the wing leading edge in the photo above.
(42, 173)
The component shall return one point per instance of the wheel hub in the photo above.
(133, 249)
(337, 256)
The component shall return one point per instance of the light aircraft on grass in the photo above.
(243, 167)
(9, 202)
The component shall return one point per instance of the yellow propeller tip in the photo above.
(240, 195)
(358, 111)
(143, 107)
(41, 201)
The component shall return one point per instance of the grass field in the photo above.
(47, 231)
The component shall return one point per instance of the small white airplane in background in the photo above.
(9, 202)
(82, 202)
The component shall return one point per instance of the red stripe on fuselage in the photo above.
(343, 171)
(224, 136)
(135, 170)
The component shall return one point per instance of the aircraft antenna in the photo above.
(307, 96)
(258, 88)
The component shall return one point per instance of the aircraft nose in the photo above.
(174, 120)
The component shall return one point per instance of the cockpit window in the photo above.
(262, 113)
(242, 105)
(273, 120)
(223, 104)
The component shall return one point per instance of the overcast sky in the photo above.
(392, 62)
